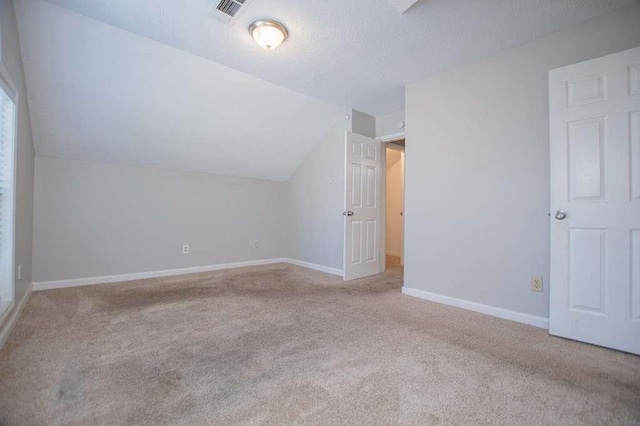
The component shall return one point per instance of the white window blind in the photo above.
(7, 146)
(4, 137)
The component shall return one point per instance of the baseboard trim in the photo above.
(316, 267)
(507, 314)
(10, 320)
(108, 279)
(5, 311)
(77, 282)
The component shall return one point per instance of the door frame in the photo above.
(382, 245)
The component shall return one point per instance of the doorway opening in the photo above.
(394, 204)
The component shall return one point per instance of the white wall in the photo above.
(388, 124)
(95, 219)
(477, 168)
(363, 124)
(394, 204)
(12, 61)
(98, 219)
(316, 201)
(214, 118)
(316, 197)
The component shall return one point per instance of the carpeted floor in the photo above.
(281, 344)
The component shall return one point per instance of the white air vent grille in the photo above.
(228, 10)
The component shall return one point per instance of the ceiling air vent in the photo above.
(228, 10)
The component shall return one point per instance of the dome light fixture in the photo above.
(268, 34)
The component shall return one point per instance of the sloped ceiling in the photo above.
(159, 83)
(402, 5)
(100, 93)
(355, 53)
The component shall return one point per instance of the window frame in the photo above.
(9, 278)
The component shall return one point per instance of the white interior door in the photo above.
(363, 211)
(595, 201)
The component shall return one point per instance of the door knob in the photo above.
(347, 213)
(561, 215)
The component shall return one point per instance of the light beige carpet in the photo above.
(282, 345)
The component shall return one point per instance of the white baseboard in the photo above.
(533, 320)
(5, 310)
(10, 320)
(320, 268)
(48, 285)
(77, 282)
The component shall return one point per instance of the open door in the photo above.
(363, 210)
(595, 201)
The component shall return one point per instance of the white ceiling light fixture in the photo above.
(268, 34)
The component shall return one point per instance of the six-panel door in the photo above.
(363, 198)
(595, 179)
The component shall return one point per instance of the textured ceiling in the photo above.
(99, 93)
(354, 53)
(402, 5)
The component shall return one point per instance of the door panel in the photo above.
(586, 90)
(595, 179)
(634, 124)
(362, 198)
(356, 242)
(586, 269)
(372, 187)
(634, 80)
(356, 191)
(371, 241)
(586, 158)
(635, 275)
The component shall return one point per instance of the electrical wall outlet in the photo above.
(19, 272)
(536, 284)
(185, 249)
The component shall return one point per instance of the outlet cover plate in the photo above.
(536, 284)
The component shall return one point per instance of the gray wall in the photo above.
(477, 168)
(363, 124)
(95, 219)
(316, 201)
(388, 124)
(12, 60)
(316, 197)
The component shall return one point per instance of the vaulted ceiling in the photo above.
(103, 94)
(158, 82)
(355, 53)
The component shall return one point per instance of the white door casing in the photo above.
(595, 181)
(402, 166)
(363, 210)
